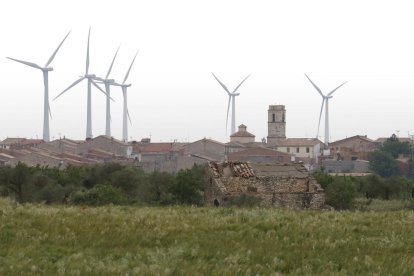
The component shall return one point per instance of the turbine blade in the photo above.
(314, 85)
(70, 86)
(320, 116)
(50, 112)
(228, 109)
(100, 89)
(87, 52)
(222, 85)
(129, 117)
(31, 64)
(240, 84)
(330, 93)
(57, 49)
(127, 74)
(113, 60)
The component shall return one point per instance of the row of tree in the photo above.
(341, 191)
(101, 184)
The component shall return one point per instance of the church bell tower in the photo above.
(276, 124)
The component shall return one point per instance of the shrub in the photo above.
(100, 195)
(341, 193)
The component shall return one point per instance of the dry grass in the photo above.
(61, 240)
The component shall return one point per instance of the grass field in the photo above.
(117, 240)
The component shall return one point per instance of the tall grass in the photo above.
(127, 240)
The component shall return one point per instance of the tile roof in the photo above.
(292, 142)
(206, 140)
(242, 133)
(10, 141)
(258, 152)
(156, 147)
(360, 137)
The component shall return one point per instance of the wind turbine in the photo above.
(108, 82)
(325, 98)
(90, 78)
(46, 105)
(232, 99)
(126, 116)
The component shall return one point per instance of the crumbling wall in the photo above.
(277, 185)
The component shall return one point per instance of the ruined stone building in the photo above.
(279, 185)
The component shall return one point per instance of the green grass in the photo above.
(112, 240)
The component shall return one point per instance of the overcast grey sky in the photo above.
(370, 44)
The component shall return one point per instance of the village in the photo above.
(348, 155)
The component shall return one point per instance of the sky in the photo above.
(369, 44)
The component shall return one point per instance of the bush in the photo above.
(187, 187)
(100, 195)
(341, 193)
(395, 187)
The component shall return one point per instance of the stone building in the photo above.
(19, 143)
(259, 155)
(352, 148)
(205, 148)
(278, 185)
(63, 145)
(105, 143)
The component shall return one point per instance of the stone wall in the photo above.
(277, 185)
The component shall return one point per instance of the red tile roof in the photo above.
(156, 147)
(258, 152)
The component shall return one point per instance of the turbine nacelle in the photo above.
(47, 69)
(90, 76)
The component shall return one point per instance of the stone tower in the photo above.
(276, 124)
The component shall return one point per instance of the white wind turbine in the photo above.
(108, 82)
(125, 113)
(46, 105)
(91, 82)
(325, 98)
(232, 99)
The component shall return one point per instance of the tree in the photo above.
(382, 163)
(188, 185)
(395, 147)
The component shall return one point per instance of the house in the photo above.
(105, 143)
(278, 185)
(306, 150)
(259, 155)
(45, 158)
(19, 143)
(352, 148)
(153, 152)
(63, 145)
(207, 149)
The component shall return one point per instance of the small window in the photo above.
(307, 150)
(273, 117)
(288, 149)
(283, 118)
(297, 150)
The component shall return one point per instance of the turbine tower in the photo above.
(90, 78)
(232, 99)
(108, 82)
(46, 105)
(125, 112)
(325, 98)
